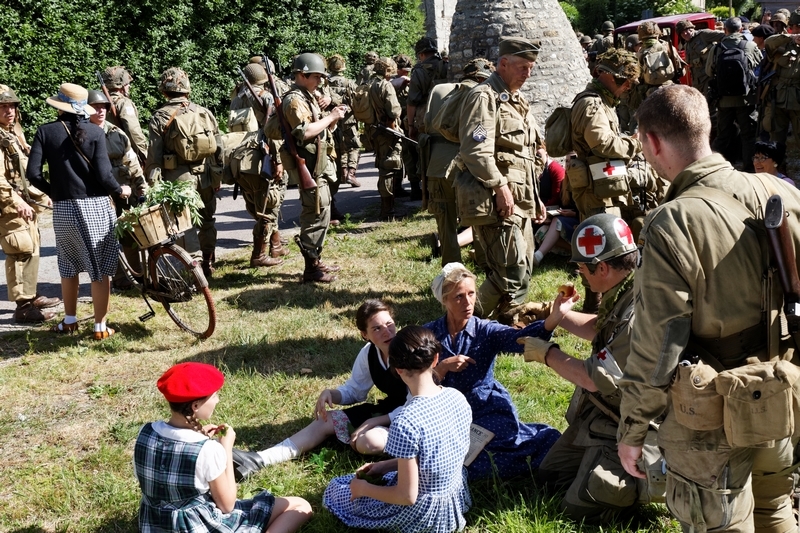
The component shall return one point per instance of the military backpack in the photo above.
(190, 133)
(447, 120)
(657, 66)
(362, 107)
(558, 128)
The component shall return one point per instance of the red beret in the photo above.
(190, 381)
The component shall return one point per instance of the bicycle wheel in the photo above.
(183, 290)
(136, 277)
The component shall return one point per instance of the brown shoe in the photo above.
(276, 247)
(27, 313)
(313, 273)
(259, 258)
(208, 265)
(351, 178)
(43, 302)
(325, 268)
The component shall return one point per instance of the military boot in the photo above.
(592, 302)
(313, 272)
(277, 247)
(27, 313)
(259, 258)
(416, 192)
(208, 265)
(351, 178)
(387, 208)
(336, 215)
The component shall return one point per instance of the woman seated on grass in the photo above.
(185, 470)
(375, 322)
(424, 488)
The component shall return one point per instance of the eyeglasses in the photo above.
(760, 158)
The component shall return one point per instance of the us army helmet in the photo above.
(336, 63)
(7, 95)
(117, 77)
(386, 66)
(174, 80)
(794, 18)
(309, 63)
(97, 97)
(600, 238)
(648, 30)
(371, 57)
(781, 18)
(479, 68)
(255, 73)
(607, 26)
(426, 44)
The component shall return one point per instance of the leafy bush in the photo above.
(45, 43)
(722, 12)
(570, 11)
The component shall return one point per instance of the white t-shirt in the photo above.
(211, 461)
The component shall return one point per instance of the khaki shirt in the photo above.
(11, 182)
(595, 130)
(697, 49)
(499, 138)
(300, 108)
(700, 275)
(784, 54)
(384, 100)
(127, 119)
(124, 163)
(424, 75)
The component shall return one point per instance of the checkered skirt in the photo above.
(85, 240)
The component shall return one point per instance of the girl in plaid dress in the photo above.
(425, 486)
(185, 470)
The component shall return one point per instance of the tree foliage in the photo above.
(44, 43)
(592, 13)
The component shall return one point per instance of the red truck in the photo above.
(667, 24)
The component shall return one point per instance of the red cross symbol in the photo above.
(602, 354)
(608, 169)
(591, 237)
(623, 231)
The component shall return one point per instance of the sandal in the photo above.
(62, 327)
(100, 335)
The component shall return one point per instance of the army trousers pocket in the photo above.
(601, 479)
(759, 403)
(19, 242)
(695, 400)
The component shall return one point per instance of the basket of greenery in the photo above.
(170, 208)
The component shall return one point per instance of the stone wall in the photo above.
(438, 19)
(560, 71)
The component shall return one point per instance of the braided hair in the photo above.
(185, 409)
(414, 348)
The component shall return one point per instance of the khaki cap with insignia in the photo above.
(517, 46)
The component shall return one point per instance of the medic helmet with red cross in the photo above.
(600, 238)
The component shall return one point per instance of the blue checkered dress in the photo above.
(172, 503)
(435, 430)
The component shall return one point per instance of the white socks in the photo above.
(70, 319)
(99, 326)
(282, 452)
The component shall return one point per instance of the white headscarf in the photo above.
(438, 281)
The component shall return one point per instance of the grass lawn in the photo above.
(72, 407)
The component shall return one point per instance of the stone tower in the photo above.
(560, 71)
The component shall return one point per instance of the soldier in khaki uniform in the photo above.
(697, 44)
(601, 43)
(400, 82)
(19, 203)
(263, 192)
(499, 138)
(369, 65)
(704, 240)
(312, 133)
(118, 82)
(783, 51)
(175, 87)
(604, 249)
(388, 148)
(127, 171)
(348, 141)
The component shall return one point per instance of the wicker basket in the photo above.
(158, 224)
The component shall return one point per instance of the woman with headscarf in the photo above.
(83, 218)
(470, 346)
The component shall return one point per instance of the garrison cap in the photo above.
(517, 46)
(683, 25)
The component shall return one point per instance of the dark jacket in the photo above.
(70, 175)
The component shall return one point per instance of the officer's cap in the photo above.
(517, 46)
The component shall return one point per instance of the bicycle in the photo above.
(171, 276)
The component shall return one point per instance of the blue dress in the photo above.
(435, 430)
(170, 501)
(516, 447)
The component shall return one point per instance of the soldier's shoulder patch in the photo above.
(128, 110)
(479, 133)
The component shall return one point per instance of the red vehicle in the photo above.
(667, 24)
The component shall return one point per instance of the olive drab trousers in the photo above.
(22, 261)
(313, 226)
(262, 200)
(442, 205)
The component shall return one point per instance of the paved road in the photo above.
(234, 227)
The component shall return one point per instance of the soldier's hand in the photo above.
(535, 349)
(629, 457)
(24, 211)
(504, 201)
(339, 112)
(324, 101)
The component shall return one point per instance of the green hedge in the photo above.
(44, 43)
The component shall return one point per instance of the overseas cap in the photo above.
(174, 80)
(7, 95)
(684, 25)
(186, 382)
(619, 63)
(517, 46)
(601, 237)
(255, 73)
(117, 77)
(479, 68)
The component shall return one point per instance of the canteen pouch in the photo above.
(759, 403)
(474, 202)
(695, 401)
(170, 162)
(577, 174)
(605, 186)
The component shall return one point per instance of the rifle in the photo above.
(382, 128)
(261, 104)
(780, 243)
(105, 92)
(306, 180)
(266, 160)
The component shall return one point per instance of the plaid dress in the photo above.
(85, 240)
(170, 500)
(435, 430)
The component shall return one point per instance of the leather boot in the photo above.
(327, 268)
(351, 178)
(336, 215)
(276, 245)
(387, 208)
(313, 272)
(43, 302)
(260, 259)
(592, 302)
(27, 313)
(397, 188)
(208, 265)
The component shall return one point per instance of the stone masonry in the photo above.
(560, 71)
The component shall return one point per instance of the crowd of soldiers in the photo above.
(665, 228)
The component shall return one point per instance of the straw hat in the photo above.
(72, 98)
